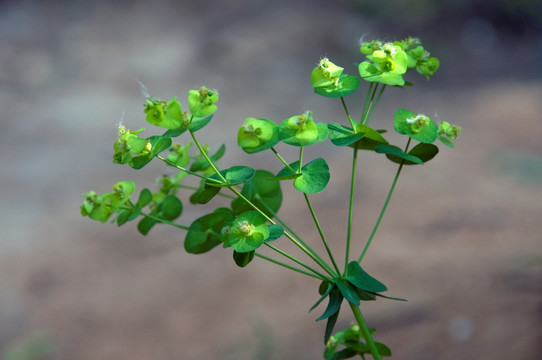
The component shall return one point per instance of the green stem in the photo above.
(322, 236)
(291, 231)
(185, 170)
(385, 205)
(371, 106)
(283, 161)
(366, 103)
(313, 273)
(236, 192)
(348, 114)
(164, 221)
(303, 247)
(195, 188)
(204, 154)
(300, 159)
(375, 103)
(365, 331)
(351, 207)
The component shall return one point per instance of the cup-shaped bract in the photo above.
(387, 64)
(257, 135)
(325, 74)
(202, 102)
(302, 130)
(166, 114)
(248, 232)
(417, 126)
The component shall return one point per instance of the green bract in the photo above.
(101, 207)
(164, 114)
(248, 232)
(388, 64)
(448, 130)
(301, 130)
(257, 135)
(126, 144)
(417, 126)
(325, 74)
(328, 80)
(418, 57)
(202, 102)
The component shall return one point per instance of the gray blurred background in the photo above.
(461, 240)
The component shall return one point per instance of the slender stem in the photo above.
(351, 207)
(283, 161)
(385, 205)
(196, 188)
(164, 221)
(185, 170)
(368, 104)
(322, 236)
(348, 114)
(204, 154)
(365, 331)
(313, 273)
(373, 108)
(291, 231)
(300, 159)
(303, 247)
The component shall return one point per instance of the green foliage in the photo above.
(252, 222)
(311, 179)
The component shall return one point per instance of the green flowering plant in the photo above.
(251, 222)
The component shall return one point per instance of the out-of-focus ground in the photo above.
(461, 240)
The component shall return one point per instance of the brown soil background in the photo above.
(461, 240)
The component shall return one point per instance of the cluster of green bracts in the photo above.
(251, 221)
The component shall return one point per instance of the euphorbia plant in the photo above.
(251, 220)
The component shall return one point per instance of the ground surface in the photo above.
(461, 240)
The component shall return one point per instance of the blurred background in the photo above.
(461, 240)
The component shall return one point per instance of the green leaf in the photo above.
(145, 197)
(263, 191)
(158, 144)
(361, 279)
(201, 163)
(424, 152)
(346, 85)
(393, 153)
(446, 141)
(205, 232)
(348, 292)
(243, 259)
(248, 232)
(204, 194)
(313, 178)
(234, 175)
(170, 208)
(343, 136)
(275, 232)
(125, 215)
(145, 225)
(140, 161)
(335, 300)
(330, 325)
(199, 122)
(324, 292)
